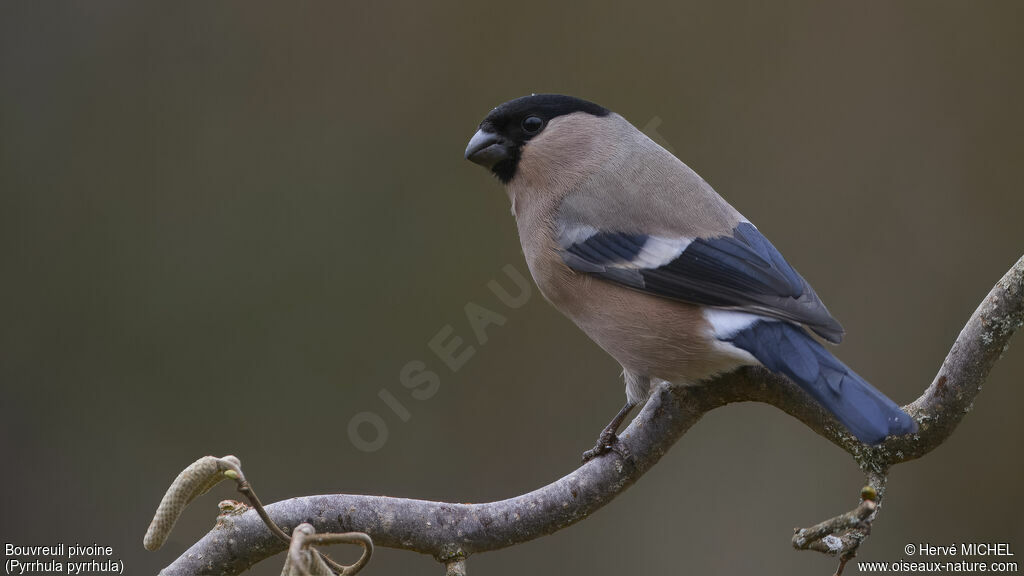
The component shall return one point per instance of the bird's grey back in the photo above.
(654, 193)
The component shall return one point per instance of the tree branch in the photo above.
(452, 532)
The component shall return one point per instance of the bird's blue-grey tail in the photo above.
(788, 349)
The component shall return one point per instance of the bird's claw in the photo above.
(606, 442)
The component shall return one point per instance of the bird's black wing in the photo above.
(739, 270)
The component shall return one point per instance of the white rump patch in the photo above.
(726, 323)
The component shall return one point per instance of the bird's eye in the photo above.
(532, 124)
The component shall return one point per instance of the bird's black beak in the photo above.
(487, 149)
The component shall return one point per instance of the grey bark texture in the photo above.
(452, 532)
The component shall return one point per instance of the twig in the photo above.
(818, 534)
(455, 568)
(304, 561)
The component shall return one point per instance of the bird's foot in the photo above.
(607, 442)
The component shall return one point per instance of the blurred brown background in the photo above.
(223, 226)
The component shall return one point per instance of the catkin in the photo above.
(193, 481)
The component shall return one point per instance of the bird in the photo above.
(659, 270)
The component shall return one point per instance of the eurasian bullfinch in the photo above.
(656, 267)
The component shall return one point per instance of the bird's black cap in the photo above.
(545, 106)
